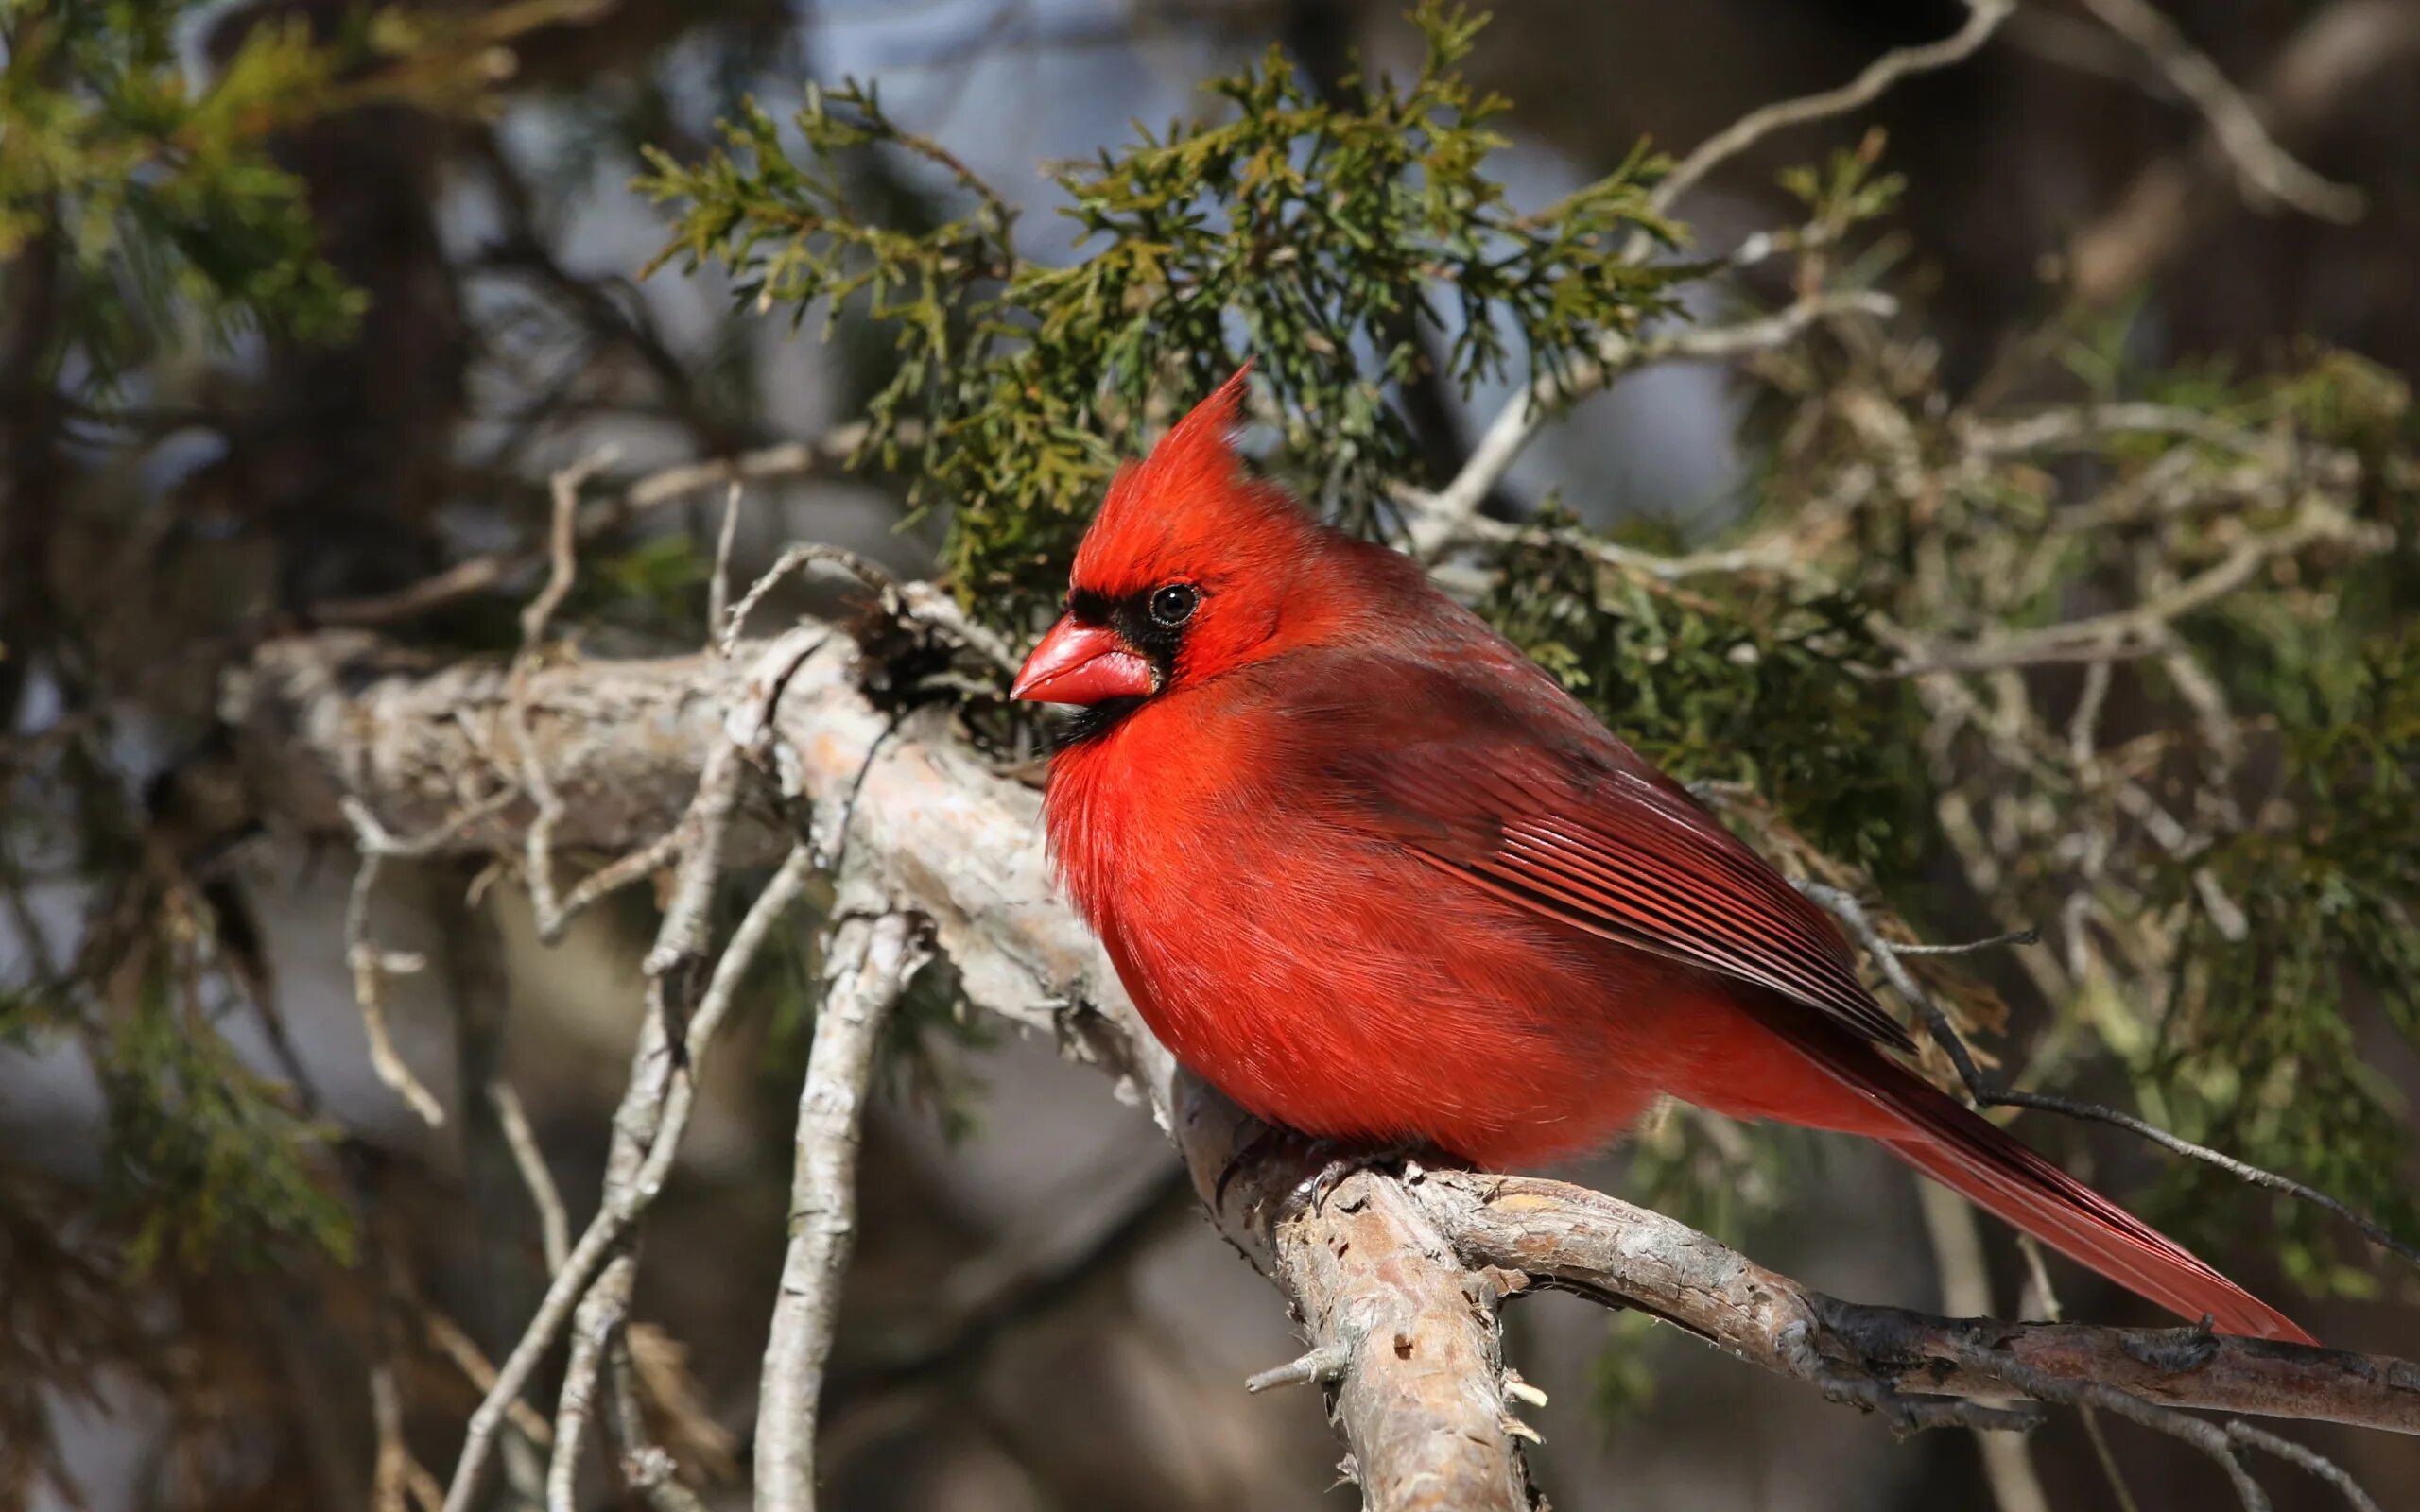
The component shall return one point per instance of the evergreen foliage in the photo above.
(1343, 247)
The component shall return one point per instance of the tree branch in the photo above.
(2268, 174)
(2327, 63)
(870, 960)
(1598, 1245)
(1983, 17)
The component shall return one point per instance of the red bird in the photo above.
(1370, 870)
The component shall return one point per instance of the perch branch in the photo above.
(1583, 1241)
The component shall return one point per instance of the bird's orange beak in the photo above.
(1082, 663)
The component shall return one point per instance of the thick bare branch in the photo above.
(1403, 1332)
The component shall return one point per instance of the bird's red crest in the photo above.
(1188, 507)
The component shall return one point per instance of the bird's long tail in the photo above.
(1975, 1158)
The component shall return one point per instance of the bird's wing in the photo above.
(1489, 772)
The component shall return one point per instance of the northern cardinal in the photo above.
(1371, 872)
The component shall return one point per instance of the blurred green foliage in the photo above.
(206, 1161)
(159, 187)
(2261, 1053)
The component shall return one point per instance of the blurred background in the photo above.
(1037, 1318)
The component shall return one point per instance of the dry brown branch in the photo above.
(872, 956)
(1419, 1259)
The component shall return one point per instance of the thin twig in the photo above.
(1990, 942)
(447, 1338)
(719, 586)
(647, 1467)
(562, 571)
(554, 1227)
(478, 574)
(654, 1110)
(1439, 519)
(917, 601)
(576, 1402)
(605, 1310)
(2143, 628)
(390, 1468)
(2041, 1385)
(372, 965)
(2308, 1459)
(562, 540)
(1983, 17)
(2266, 173)
(871, 960)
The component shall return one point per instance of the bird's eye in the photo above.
(1174, 605)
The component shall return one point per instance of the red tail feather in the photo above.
(1973, 1157)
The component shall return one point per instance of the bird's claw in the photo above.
(1329, 1162)
(1331, 1173)
(1347, 1159)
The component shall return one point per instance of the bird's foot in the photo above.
(1326, 1163)
(1345, 1161)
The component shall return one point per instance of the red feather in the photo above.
(1371, 871)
